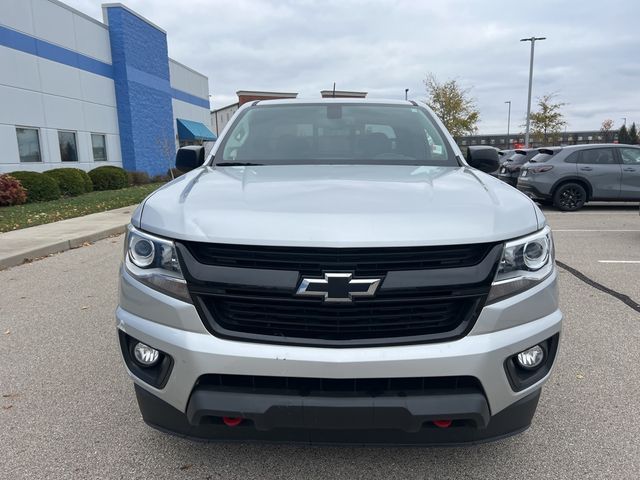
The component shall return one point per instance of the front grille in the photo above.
(340, 387)
(231, 291)
(360, 261)
(284, 318)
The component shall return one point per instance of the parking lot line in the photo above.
(591, 230)
(582, 214)
(618, 261)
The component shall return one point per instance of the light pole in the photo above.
(406, 93)
(508, 123)
(533, 43)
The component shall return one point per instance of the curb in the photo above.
(58, 247)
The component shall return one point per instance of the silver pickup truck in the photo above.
(336, 271)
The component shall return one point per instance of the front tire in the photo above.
(570, 197)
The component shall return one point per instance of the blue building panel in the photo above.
(34, 46)
(143, 92)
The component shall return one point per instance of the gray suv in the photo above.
(335, 270)
(570, 176)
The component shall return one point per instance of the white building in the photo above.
(75, 91)
(221, 116)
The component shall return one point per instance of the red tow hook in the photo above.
(232, 421)
(442, 423)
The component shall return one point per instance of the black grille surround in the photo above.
(419, 308)
(359, 261)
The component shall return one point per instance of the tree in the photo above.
(548, 120)
(167, 148)
(607, 134)
(453, 105)
(623, 135)
(633, 134)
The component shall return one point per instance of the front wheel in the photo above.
(570, 197)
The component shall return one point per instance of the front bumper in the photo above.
(502, 330)
(162, 416)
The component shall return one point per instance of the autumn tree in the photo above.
(605, 129)
(623, 135)
(453, 104)
(548, 120)
(633, 134)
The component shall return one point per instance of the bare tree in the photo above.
(168, 151)
(606, 129)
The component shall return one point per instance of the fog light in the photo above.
(531, 358)
(145, 355)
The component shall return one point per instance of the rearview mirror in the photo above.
(485, 159)
(188, 158)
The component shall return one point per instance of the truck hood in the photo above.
(339, 206)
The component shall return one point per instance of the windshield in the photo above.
(335, 133)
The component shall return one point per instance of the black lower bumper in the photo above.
(379, 420)
(532, 192)
(509, 179)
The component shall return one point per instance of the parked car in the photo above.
(502, 157)
(570, 176)
(510, 167)
(328, 274)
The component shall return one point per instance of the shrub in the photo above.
(160, 179)
(70, 181)
(108, 178)
(11, 191)
(88, 184)
(40, 187)
(138, 178)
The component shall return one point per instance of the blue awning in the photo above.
(190, 130)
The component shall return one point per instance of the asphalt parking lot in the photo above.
(67, 408)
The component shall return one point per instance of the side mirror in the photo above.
(188, 158)
(485, 159)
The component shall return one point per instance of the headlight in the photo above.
(153, 261)
(525, 262)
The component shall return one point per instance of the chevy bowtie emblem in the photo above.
(338, 287)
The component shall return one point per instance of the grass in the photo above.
(31, 214)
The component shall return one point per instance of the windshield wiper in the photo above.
(237, 164)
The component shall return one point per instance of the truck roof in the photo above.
(370, 101)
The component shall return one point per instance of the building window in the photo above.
(68, 148)
(99, 146)
(28, 144)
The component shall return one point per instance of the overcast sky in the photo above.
(591, 57)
